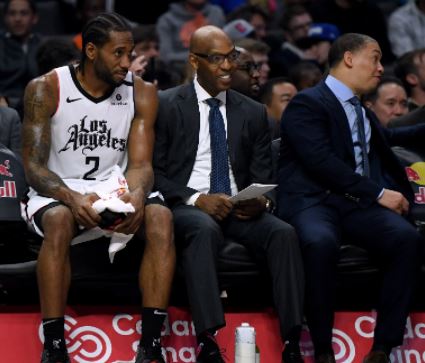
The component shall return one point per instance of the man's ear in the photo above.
(348, 59)
(91, 51)
(193, 60)
(412, 79)
(368, 104)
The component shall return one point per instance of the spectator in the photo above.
(10, 129)
(4, 101)
(305, 75)
(56, 52)
(406, 27)
(177, 25)
(388, 100)
(255, 16)
(358, 16)
(238, 29)
(410, 69)
(276, 94)
(338, 178)
(296, 22)
(18, 47)
(245, 77)
(259, 51)
(228, 5)
(318, 42)
(86, 10)
(146, 62)
(69, 115)
(227, 147)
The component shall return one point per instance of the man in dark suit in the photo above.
(212, 142)
(10, 126)
(338, 178)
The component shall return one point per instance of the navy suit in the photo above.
(327, 202)
(198, 235)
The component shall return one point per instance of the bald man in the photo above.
(246, 77)
(211, 142)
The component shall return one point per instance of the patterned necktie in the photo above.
(219, 179)
(361, 132)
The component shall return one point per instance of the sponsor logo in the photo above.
(70, 100)
(119, 101)
(92, 134)
(8, 190)
(4, 169)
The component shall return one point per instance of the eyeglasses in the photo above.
(218, 59)
(249, 67)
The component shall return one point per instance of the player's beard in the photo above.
(103, 73)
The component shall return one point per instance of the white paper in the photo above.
(253, 191)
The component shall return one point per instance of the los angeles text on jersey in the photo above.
(92, 134)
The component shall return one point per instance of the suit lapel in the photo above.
(189, 114)
(339, 118)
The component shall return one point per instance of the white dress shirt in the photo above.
(200, 176)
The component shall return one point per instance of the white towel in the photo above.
(109, 192)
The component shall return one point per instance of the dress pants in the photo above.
(390, 239)
(199, 238)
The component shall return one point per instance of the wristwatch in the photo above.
(269, 205)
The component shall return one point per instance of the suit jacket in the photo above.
(10, 129)
(177, 138)
(317, 154)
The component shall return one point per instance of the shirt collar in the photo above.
(339, 89)
(203, 95)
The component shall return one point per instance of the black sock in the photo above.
(54, 338)
(292, 341)
(152, 321)
(382, 348)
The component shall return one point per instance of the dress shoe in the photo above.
(325, 358)
(376, 357)
(208, 351)
(292, 356)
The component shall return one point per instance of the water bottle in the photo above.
(245, 344)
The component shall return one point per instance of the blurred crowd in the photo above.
(284, 45)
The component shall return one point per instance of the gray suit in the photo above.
(10, 129)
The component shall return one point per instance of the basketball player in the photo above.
(80, 122)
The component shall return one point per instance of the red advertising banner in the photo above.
(111, 335)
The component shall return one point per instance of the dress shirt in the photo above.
(343, 93)
(200, 176)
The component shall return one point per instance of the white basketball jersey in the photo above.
(89, 135)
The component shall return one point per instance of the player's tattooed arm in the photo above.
(141, 139)
(39, 104)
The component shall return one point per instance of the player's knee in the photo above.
(58, 221)
(159, 225)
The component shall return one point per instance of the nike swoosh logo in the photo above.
(69, 100)
(157, 312)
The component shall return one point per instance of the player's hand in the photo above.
(395, 201)
(132, 221)
(217, 206)
(250, 208)
(81, 207)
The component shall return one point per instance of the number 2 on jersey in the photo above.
(91, 160)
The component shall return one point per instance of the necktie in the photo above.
(361, 132)
(219, 178)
